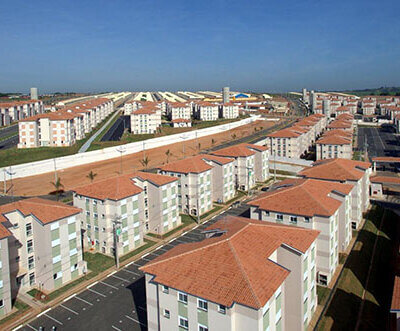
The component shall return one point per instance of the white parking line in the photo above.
(83, 300)
(171, 240)
(115, 328)
(130, 263)
(30, 326)
(145, 255)
(18, 327)
(115, 288)
(184, 233)
(88, 287)
(72, 311)
(70, 297)
(43, 312)
(112, 273)
(132, 319)
(180, 240)
(52, 318)
(131, 272)
(123, 279)
(145, 259)
(98, 293)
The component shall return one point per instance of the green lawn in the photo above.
(148, 243)
(216, 208)
(186, 220)
(238, 196)
(322, 294)
(22, 307)
(344, 308)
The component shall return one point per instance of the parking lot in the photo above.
(382, 141)
(117, 302)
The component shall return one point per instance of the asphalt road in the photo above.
(11, 141)
(381, 141)
(117, 302)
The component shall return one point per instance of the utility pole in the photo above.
(55, 170)
(5, 182)
(10, 173)
(121, 150)
(117, 233)
(249, 170)
(274, 166)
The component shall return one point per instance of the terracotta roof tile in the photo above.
(234, 267)
(395, 306)
(188, 165)
(235, 151)
(156, 179)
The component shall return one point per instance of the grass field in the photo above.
(344, 308)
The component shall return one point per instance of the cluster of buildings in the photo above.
(15, 111)
(65, 126)
(261, 273)
(146, 116)
(295, 141)
(337, 141)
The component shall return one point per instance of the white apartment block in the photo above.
(351, 172)
(229, 110)
(334, 146)
(40, 247)
(178, 110)
(194, 187)
(146, 120)
(191, 288)
(15, 111)
(131, 106)
(207, 111)
(313, 204)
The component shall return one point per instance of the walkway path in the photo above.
(86, 145)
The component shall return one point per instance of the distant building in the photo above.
(229, 110)
(34, 93)
(225, 95)
(15, 111)
(145, 120)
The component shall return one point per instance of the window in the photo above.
(183, 322)
(323, 279)
(166, 313)
(32, 279)
(29, 246)
(165, 289)
(279, 217)
(222, 309)
(307, 219)
(87, 213)
(31, 262)
(1, 303)
(182, 297)
(28, 229)
(293, 219)
(203, 328)
(202, 304)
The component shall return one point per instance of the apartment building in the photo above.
(40, 247)
(314, 204)
(56, 129)
(194, 187)
(206, 286)
(160, 201)
(246, 166)
(145, 120)
(179, 110)
(356, 173)
(334, 146)
(368, 106)
(229, 110)
(286, 143)
(15, 111)
(131, 106)
(207, 111)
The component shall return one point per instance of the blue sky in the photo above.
(193, 45)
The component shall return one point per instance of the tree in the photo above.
(58, 186)
(234, 136)
(168, 154)
(145, 162)
(199, 147)
(212, 142)
(91, 175)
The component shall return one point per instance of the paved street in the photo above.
(118, 302)
(6, 140)
(381, 141)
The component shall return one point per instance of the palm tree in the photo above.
(58, 186)
(199, 147)
(91, 175)
(233, 136)
(168, 154)
(212, 142)
(145, 162)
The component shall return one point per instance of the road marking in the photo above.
(180, 240)
(30, 326)
(72, 311)
(123, 279)
(91, 304)
(116, 288)
(130, 263)
(131, 272)
(184, 233)
(88, 287)
(18, 327)
(43, 312)
(70, 297)
(132, 319)
(102, 295)
(145, 259)
(145, 255)
(52, 318)
(171, 240)
(115, 328)
(112, 273)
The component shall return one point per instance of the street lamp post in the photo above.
(121, 150)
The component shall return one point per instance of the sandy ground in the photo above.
(77, 176)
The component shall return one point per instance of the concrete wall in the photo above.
(40, 167)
